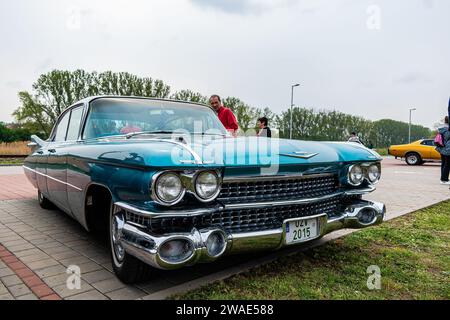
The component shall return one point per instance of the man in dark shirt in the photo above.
(264, 130)
(225, 115)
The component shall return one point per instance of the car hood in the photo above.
(228, 152)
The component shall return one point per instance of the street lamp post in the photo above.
(292, 104)
(409, 134)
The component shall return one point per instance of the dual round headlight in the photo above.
(373, 173)
(207, 185)
(168, 188)
(357, 174)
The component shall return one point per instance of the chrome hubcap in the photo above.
(412, 159)
(118, 249)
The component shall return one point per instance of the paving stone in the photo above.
(51, 271)
(11, 280)
(19, 290)
(56, 280)
(36, 265)
(6, 296)
(35, 257)
(21, 247)
(29, 296)
(49, 245)
(65, 292)
(90, 266)
(90, 295)
(74, 261)
(64, 255)
(128, 293)
(28, 252)
(108, 285)
(96, 276)
(5, 272)
(3, 288)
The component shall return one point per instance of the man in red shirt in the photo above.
(225, 115)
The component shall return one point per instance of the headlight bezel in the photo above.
(215, 194)
(188, 180)
(365, 172)
(154, 193)
(349, 171)
(379, 172)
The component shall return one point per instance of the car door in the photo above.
(427, 146)
(56, 163)
(76, 177)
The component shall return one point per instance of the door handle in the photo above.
(52, 150)
(40, 152)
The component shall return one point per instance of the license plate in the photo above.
(301, 230)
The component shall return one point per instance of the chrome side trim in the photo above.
(54, 179)
(197, 158)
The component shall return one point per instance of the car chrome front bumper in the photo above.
(146, 246)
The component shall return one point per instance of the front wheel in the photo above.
(44, 202)
(126, 267)
(413, 159)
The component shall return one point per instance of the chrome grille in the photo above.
(274, 189)
(238, 220)
(266, 218)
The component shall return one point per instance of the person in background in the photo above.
(264, 130)
(225, 115)
(445, 152)
(354, 138)
(130, 128)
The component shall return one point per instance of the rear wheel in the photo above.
(127, 268)
(413, 159)
(44, 202)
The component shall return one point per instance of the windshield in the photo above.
(121, 116)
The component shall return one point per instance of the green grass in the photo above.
(11, 161)
(412, 253)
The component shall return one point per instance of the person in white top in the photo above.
(354, 138)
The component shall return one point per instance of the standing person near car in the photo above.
(264, 130)
(354, 138)
(225, 115)
(444, 150)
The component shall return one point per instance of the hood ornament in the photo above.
(299, 154)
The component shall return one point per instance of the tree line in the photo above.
(58, 89)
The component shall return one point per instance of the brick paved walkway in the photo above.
(46, 242)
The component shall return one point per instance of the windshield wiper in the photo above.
(210, 134)
(132, 134)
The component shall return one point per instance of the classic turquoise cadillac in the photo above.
(173, 188)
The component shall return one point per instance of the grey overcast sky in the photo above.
(373, 58)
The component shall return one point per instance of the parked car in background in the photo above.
(416, 153)
(140, 169)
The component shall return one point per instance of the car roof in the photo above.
(92, 98)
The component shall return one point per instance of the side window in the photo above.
(74, 125)
(62, 128)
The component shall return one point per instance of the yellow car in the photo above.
(417, 152)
